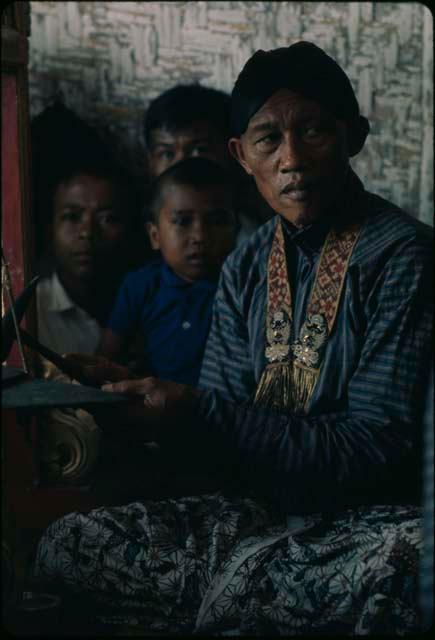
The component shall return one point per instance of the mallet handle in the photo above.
(71, 370)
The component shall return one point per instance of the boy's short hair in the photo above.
(126, 196)
(183, 105)
(119, 178)
(193, 172)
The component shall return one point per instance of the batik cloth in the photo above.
(210, 565)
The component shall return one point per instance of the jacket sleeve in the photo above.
(322, 461)
(227, 366)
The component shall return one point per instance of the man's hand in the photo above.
(97, 368)
(155, 405)
(156, 400)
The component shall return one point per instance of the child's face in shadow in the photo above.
(87, 228)
(195, 230)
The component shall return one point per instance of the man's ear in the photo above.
(235, 147)
(153, 234)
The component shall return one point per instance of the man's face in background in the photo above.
(88, 226)
(201, 139)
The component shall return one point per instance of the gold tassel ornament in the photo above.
(286, 386)
(304, 381)
(273, 390)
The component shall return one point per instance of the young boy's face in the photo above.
(87, 228)
(199, 140)
(195, 230)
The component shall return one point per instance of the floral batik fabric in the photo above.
(146, 563)
(352, 573)
(213, 565)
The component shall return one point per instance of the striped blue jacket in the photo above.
(360, 439)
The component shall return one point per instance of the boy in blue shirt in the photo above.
(169, 301)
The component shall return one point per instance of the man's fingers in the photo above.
(153, 401)
(98, 368)
(131, 387)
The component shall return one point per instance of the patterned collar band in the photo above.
(292, 370)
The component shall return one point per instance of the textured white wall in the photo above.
(109, 59)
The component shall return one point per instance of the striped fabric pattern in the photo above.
(363, 423)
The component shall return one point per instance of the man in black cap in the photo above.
(295, 123)
(310, 393)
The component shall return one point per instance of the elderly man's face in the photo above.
(298, 155)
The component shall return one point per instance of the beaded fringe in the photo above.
(286, 385)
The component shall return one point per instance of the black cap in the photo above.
(302, 67)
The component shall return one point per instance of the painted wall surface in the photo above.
(107, 60)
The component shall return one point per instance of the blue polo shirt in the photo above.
(172, 315)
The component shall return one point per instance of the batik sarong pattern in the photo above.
(213, 565)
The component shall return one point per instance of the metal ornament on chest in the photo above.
(278, 334)
(308, 348)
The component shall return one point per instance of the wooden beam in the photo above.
(15, 48)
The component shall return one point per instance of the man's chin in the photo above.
(302, 217)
